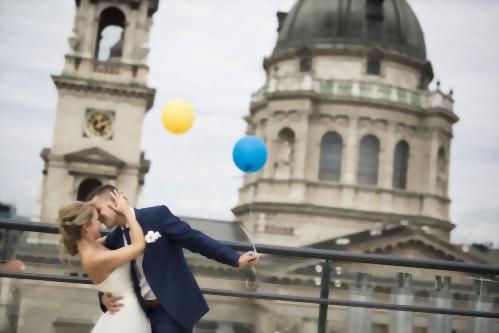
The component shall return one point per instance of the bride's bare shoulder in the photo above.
(90, 259)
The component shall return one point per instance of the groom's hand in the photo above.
(111, 303)
(249, 257)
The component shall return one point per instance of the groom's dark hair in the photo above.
(100, 190)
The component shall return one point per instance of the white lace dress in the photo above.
(130, 318)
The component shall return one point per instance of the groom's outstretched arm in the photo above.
(194, 240)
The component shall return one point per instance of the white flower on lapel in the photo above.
(152, 236)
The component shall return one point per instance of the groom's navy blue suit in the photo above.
(165, 267)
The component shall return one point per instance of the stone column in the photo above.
(299, 162)
(300, 144)
(387, 146)
(432, 174)
(481, 301)
(351, 153)
(360, 319)
(401, 321)
(349, 164)
(441, 298)
(90, 35)
(129, 36)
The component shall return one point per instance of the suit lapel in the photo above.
(140, 219)
(146, 226)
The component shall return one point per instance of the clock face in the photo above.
(99, 124)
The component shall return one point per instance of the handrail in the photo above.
(308, 253)
(305, 253)
(271, 296)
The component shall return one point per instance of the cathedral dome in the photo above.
(350, 26)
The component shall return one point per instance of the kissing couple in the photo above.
(139, 269)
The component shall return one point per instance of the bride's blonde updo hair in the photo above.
(71, 220)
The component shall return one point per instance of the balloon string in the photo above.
(249, 238)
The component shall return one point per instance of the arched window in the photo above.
(110, 35)
(400, 164)
(305, 64)
(367, 171)
(284, 155)
(87, 186)
(441, 178)
(330, 157)
(286, 134)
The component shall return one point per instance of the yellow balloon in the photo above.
(178, 116)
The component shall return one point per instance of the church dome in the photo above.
(350, 26)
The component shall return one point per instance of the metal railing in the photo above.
(327, 256)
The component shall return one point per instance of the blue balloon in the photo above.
(249, 154)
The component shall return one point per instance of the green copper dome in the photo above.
(351, 25)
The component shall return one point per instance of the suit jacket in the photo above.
(165, 267)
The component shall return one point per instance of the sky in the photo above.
(210, 53)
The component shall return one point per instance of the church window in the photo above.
(305, 64)
(284, 154)
(330, 157)
(367, 171)
(373, 66)
(87, 186)
(110, 35)
(400, 165)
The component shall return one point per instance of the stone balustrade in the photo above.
(361, 90)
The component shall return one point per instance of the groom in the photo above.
(162, 280)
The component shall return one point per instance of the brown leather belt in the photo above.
(152, 302)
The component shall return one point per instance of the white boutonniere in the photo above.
(152, 236)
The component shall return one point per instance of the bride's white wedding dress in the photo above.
(130, 318)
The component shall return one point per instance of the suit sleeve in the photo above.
(103, 308)
(194, 240)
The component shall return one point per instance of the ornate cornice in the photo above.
(94, 86)
(350, 50)
(94, 155)
(365, 215)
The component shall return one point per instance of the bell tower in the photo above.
(103, 98)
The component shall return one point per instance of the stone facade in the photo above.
(337, 96)
(101, 107)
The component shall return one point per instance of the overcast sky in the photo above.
(210, 53)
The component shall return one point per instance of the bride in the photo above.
(109, 270)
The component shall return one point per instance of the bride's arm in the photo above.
(115, 258)
(102, 240)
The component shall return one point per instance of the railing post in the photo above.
(325, 277)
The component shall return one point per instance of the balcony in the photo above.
(296, 290)
(372, 92)
(110, 71)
